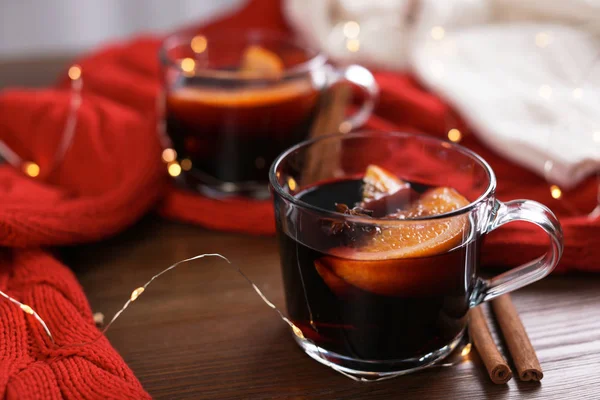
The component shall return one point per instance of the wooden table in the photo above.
(202, 332)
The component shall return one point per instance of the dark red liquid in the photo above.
(425, 312)
(234, 134)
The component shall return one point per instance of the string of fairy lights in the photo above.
(464, 351)
(30, 167)
(351, 31)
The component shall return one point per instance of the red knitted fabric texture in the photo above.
(112, 174)
(31, 366)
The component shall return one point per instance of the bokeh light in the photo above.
(292, 184)
(466, 350)
(353, 45)
(31, 169)
(186, 164)
(74, 72)
(543, 39)
(199, 44)
(555, 192)
(169, 155)
(351, 29)
(174, 169)
(438, 33)
(454, 135)
(188, 64)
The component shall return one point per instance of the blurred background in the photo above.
(40, 37)
(523, 75)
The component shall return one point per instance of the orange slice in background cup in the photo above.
(260, 62)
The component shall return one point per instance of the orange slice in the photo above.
(192, 97)
(403, 277)
(384, 193)
(261, 62)
(379, 182)
(406, 258)
(337, 285)
(412, 239)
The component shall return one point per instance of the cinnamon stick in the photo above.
(496, 365)
(515, 336)
(323, 159)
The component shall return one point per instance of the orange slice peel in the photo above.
(260, 62)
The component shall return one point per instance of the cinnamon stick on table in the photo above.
(495, 364)
(323, 159)
(515, 336)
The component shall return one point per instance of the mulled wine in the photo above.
(389, 292)
(380, 239)
(234, 100)
(232, 135)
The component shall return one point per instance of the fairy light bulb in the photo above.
(29, 311)
(555, 192)
(438, 33)
(454, 135)
(188, 65)
(353, 45)
(31, 169)
(292, 184)
(169, 155)
(26, 309)
(174, 169)
(297, 331)
(199, 44)
(466, 350)
(136, 293)
(351, 29)
(98, 318)
(548, 165)
(596, 136)
(74, 72)
(186, 164)
(577, 93)
(345, 127)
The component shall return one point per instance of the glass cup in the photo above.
(381, 296)
(236, 100)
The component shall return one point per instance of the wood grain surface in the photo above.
(201, 332)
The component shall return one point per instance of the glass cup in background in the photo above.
(398, 302)
(236, 100)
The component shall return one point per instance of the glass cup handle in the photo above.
(364, 79)
(516, 278)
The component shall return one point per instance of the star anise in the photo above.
(344, 209)
(352, 231)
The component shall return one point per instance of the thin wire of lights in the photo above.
(136, 293)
